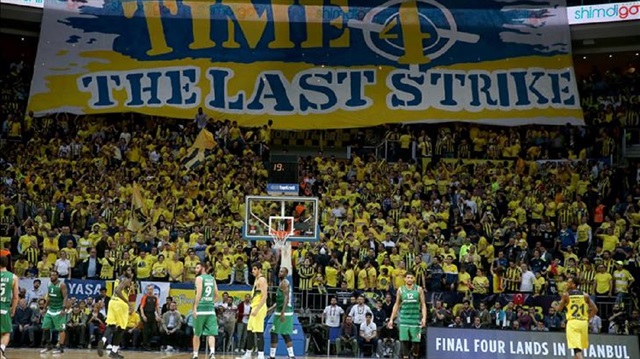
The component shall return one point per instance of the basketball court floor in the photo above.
(20, 353)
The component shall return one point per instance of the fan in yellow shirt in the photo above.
(384, 281)
(72, 253)
(20, 266)
(349, 277)
(331, 274)
(175, 269)
(398, 275)
(609, 240)
(561, 283)
(50, 247)
(223, 268)
(190, 263)
(143, 265)
(480, 282)
(464, 280)
(108, 266)
(44, 268)
(363, 279)
(159, 269)
(604, 281)
(25, 240)
(539, 284)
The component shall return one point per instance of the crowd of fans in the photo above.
(151, 325)
(537, 204)
(611, 97)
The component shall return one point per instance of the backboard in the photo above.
(266, 214)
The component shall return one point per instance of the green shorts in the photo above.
(282, 327)
(410, 333)
(54, 321)
(205, 324)
(5, 322)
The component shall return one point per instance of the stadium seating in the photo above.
(477, 210)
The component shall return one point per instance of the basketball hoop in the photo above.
(279, 238)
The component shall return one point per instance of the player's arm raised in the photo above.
(16, 296)
(423, 307)
(396, 308)
(563, 303)
(198, 284)
(593, 309)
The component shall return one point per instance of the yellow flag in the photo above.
(194, 158)
(195, 154)
(204, 141)
(138, 216)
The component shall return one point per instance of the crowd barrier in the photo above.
(458, 343)
(311, 302)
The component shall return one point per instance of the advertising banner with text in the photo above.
(457, 343)
(310, 64)
(588, 14)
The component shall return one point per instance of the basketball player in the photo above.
(205, 321)
(8, 303)
(255, 325)
(282, 317)
(580, 309)
(411, 304)
(117, 315)
(56, 317)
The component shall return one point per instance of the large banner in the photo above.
(76, 288)
(457, 343)
(184, 295)
(27, 284)
(310, 64)
(160, 290)
(84, 288)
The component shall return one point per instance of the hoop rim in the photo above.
(280, 235)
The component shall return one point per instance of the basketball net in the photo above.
(282, 245)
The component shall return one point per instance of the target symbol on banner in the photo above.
(411, 32)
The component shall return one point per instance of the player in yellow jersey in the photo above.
(117, 315)
(255, 325)
(580, 308)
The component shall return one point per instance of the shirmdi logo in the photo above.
(604, 13)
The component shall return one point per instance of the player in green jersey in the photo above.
(412, 309)
(8, 303)
(56, 317)
(283, 317)
(205, 321)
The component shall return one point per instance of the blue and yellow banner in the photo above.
(310, 64)
(184, 294)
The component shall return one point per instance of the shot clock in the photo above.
(283, 172)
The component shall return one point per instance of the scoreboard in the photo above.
(283, 172)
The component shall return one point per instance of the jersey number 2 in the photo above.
(577, 310)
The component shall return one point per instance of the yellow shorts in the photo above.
(577, 334)
(256, 324)
(118, 313)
